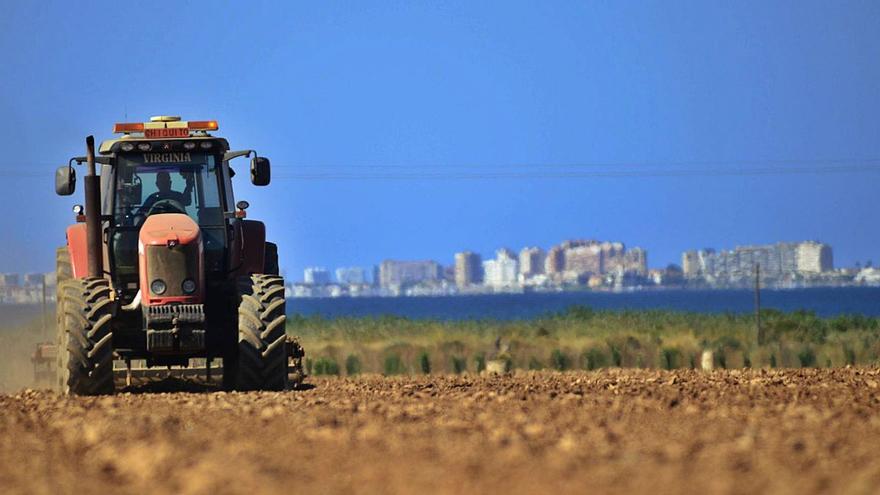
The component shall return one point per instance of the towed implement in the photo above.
(163, 268)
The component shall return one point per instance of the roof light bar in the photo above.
(165, 123)
(203, 125)
(128, 127)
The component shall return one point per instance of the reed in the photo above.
(584, 338)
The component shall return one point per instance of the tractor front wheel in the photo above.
(261, 361)
(85, 337)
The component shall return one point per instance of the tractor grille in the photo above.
(175, 328)
(180, 313)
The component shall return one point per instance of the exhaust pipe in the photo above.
(93, 213)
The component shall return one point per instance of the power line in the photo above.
(583, 175)
(589, 165)
(538, 172)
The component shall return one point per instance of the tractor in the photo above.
(163, 268)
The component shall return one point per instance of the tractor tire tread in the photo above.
(86, 327)
(262, 361)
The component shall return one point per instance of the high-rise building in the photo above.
(690, 264)
(708, 260)
(555, 262)
(814, 257)
(351, 275)
(448, 273)
(34, 279)
(376, 272)
(776, 260)
(502, 271)
(396, 274)
(468, 269)
(699, 263)
(583, 260)
(531, 262)
(315, 275)
(580, 257)
(788, 257)
(635, 261)
(8, 280)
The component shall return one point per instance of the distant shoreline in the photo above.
(824, 301)
(587, 290)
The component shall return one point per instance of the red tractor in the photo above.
(162, 267)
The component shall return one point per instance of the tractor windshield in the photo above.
(149, 183)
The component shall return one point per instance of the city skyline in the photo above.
(449, 260)
(470, 268)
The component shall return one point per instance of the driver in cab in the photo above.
(165, 193)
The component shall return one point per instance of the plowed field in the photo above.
(622, 431)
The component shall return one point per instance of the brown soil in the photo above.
(797, 431)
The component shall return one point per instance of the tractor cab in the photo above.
(192, 183)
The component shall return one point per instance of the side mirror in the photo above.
(260, 174)
(65, 180)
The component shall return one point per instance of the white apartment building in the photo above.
(502, 271)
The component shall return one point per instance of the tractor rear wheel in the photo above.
(63, 273)
(63, 268)
(261, 361)
(85, 337)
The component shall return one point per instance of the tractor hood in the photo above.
(169, 229)
(170, 260)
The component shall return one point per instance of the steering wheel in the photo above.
(166, 206)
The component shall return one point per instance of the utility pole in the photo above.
(758, 330)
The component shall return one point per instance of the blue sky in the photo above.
(380, 90)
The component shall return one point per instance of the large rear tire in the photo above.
(261, 361)
(85, 337)
(63, 273)
(63, 268)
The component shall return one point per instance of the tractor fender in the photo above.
(253, 247)
(78, 249)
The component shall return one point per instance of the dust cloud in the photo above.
(21, 328)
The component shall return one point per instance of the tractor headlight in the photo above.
(188, 286)
(189, 145)
(127, 146)
(206, 145)
(158, 287)
(144, 146)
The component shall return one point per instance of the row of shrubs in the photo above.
(630, 355)
(581, 338)
(580, 321)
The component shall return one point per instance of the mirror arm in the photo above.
(230, 155)
(103, 160)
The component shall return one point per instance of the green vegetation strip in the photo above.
(581, 338)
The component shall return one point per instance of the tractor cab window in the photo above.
(151, 183)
